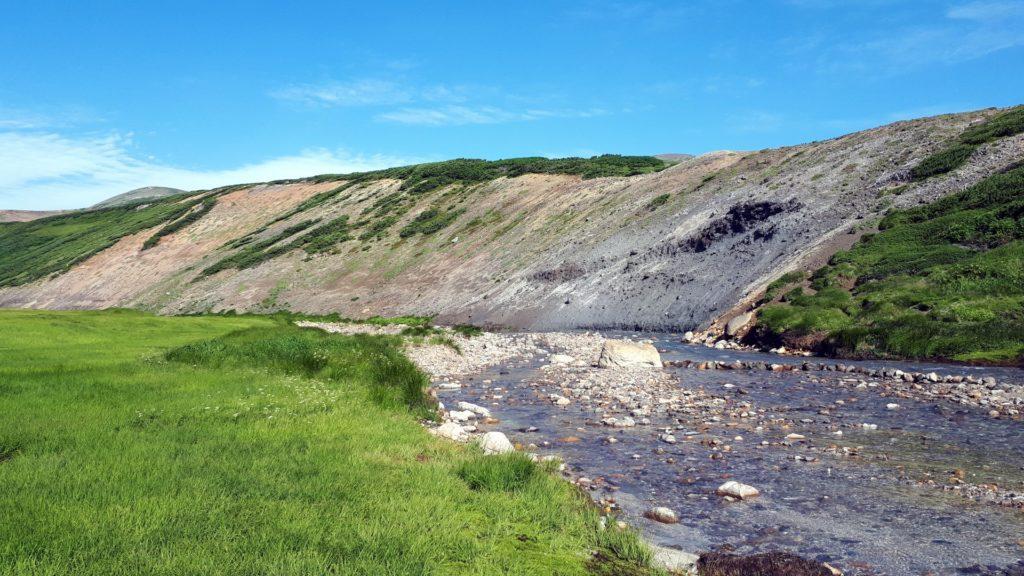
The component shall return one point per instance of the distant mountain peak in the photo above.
(144, 193)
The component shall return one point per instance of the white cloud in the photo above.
(936, 36)
(367, 92)
(461, 115)
(48, 171)
(432, 105)
(986, 11)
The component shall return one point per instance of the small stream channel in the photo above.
(863, 509)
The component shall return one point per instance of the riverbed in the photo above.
(850, 472)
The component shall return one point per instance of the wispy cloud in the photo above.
(49, 170)
(950, 35)
(461, 115)
(433, 105)
(986, 11)
(366, 92)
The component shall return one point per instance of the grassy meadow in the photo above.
(135, 444)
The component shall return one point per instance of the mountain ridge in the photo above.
(674, 249)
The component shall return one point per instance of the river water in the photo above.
(859, 501)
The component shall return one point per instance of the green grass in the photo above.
(944, 280)
(952, 157)
(429, 221)
(781, 282)
(657, 202)
(135, 444)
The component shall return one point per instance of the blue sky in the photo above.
(100, 97)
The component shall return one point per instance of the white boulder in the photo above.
(496, 443)
(737, 490)
(451, 431)
(622, 353)
(461, 415)
(478, 410)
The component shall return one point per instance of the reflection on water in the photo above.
(855, 501)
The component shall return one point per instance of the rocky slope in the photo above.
(676, 248)
(26, 215)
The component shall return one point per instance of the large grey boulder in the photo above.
(738, 323)
(623, 353)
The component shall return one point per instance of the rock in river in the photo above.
(479, 410)
(622, 353)
(737, 490)
(662, 514)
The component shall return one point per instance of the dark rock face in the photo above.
(768, 564)
(739, 219)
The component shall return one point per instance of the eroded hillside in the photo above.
(502, 244)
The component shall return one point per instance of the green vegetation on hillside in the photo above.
(944, 280)
(33, 250)
(191, 217)
(420, 177)
(252, 254)
(36, 249)
(781, 282)
(1006, 124)
(429, 221)
(135, 444)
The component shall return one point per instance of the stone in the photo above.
(560, 400)
(737, 490)
(892, 406)
(451, 431)
(688, 337)
(668, 438)
(496, 443)
(461, 415)
(662, 514)
(624, 422)
(738, 323)
(478, 410)
(672, 560)
(561, 359)
(622, 353)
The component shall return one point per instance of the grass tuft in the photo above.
(500, 473)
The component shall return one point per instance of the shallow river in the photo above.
(863, 510)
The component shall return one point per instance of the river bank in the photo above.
(873, 474)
